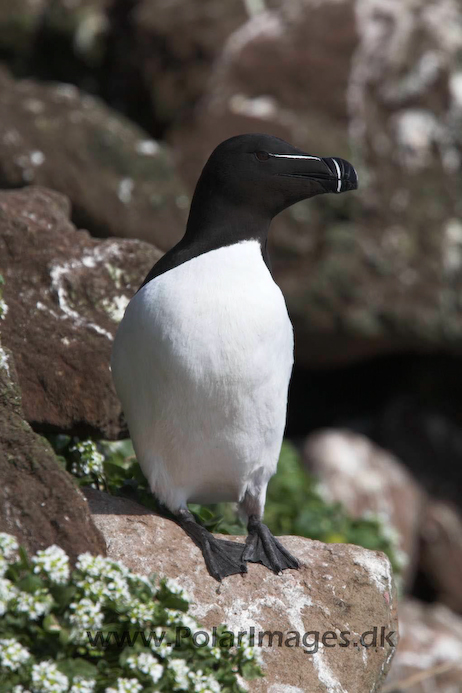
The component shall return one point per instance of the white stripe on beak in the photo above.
(295, 156)
(339, 184)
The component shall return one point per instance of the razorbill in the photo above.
(203, 356)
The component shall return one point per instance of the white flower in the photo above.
(91, 565)
(99, 567)
(126, 686)
(191, 623)
(3, 309)
(81, 685)
(104, 579)
(91, 461)
(160, 648)
(86, 614)
(12, 654)
(46, 678)
(175, 588)
(141, 582)
(54, 563)
(147, 664)
(35, 605)
(7, 592)
(252, 654)
(4, 565)
(142, 614)
(20, 689)
(118, 589)
(216, 652)
(203, 683)
(180, 670)
(249, 652)
(115, 589)
(173, 616)
(178, 618)
(8, 545)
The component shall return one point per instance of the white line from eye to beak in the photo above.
(295, 156)
(339, 184)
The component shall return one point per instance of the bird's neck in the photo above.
(215, 221)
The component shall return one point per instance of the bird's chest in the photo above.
(222, 312)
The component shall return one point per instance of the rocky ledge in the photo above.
(339, 588)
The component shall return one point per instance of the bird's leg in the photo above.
(221, 557)
(260, 545)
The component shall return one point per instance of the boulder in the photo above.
(120, 182)
(429, 654)
(368, 480)
(66, 293)
(339, 588)
(441, 551)
(378, 270)
(39, 502)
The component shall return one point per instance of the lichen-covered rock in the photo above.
(368, 480)
(65, 293)
(339, 588)
(429, 654)
(379, 83)
(120, 182)
(39, 503)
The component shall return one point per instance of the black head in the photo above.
(247, 180)
(268, 174)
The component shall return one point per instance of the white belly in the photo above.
(201, 363)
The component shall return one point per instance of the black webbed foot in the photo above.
(222, 557)
(262, 547)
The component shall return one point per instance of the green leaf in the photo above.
(24, 558)
(173, 601)
(250, 671)
(63, 594)
(84, 480)
(31, 583)
(205, 514)
(51, 624)
(77, 667)
(64, 636)
(114, 471)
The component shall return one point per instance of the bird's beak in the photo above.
(334, 174)
(344, 172)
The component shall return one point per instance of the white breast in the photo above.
(201, 363)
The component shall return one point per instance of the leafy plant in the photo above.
(295, 505)
(103, 629)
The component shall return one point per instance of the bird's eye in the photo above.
(262, 156)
